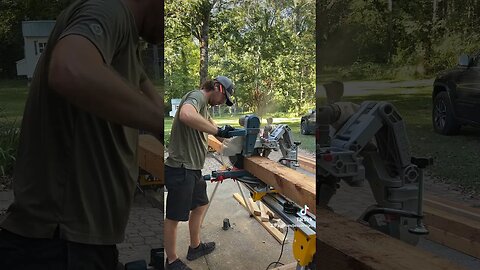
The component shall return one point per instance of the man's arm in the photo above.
(189, 115)
(77, 72)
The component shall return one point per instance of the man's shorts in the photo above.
(186, 191)
(23, 253)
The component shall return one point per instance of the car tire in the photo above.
(304, 128)
(443, 119)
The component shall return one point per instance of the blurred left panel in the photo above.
(81, 134)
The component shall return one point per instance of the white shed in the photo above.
(175, 105)
(35, 36)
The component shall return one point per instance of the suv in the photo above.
(456, 96)
(308, 122)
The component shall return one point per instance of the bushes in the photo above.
(9, 134)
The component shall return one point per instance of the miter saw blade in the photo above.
(231, 153)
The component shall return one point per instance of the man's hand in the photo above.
(223, 131)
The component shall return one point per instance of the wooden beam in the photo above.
(454, 225)
(344, 244)
(150, 156)
(461, 209)
(267, 225)
(214, 143)
(253, 207)
(263, 212)
(294, 185)
(307, 164)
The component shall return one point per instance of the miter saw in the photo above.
(246, 142)
(370, 142)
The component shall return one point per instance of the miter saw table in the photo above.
(247, 142)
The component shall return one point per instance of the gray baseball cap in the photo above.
(228, 86)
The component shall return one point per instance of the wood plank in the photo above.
(344, 244)
(253, 206)
(454, 241)
(452, 207)
(263, 212)
(307, 164)
(214, 143)
(267, 225)
(151, 156)
(452, 223)
(453, 230)
(294, 185)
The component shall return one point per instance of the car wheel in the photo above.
(304, 128)
(443, 119)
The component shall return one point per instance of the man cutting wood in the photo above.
(76, 165)
(187, 191)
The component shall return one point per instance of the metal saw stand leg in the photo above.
(213, 194)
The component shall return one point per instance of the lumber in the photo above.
(454, 230)
(263, 212)
(253, 207)
(344, 244)
(452, 207)
(267, 225)
(296, 186)
(214, 143)
(307, 163)
(150, 156)
(454, 241)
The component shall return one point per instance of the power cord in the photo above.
(281, 252)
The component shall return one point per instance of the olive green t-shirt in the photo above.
(188, 147)
(75, 171)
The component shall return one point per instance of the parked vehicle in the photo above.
(456, 96)
(308, 122)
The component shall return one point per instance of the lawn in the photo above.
(307, 141)
(13, 95)
(456, 158)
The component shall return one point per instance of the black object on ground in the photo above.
(226, 224)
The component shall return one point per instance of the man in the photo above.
(266, 133)
(187, 191)
(76, 164)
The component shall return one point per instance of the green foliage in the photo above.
(266, 47)
(12, 13)
(416, 39)
(9, 133)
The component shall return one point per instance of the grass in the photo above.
(307, 141)
(455, 157)
(13, 94)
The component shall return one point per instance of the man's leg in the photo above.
(179, 199)
(196, 216)
(170, 239)
(197, 248)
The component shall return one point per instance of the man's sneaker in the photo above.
(202, 250)
(176, 265)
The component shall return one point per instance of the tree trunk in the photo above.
(204, 49)
(390, 31)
